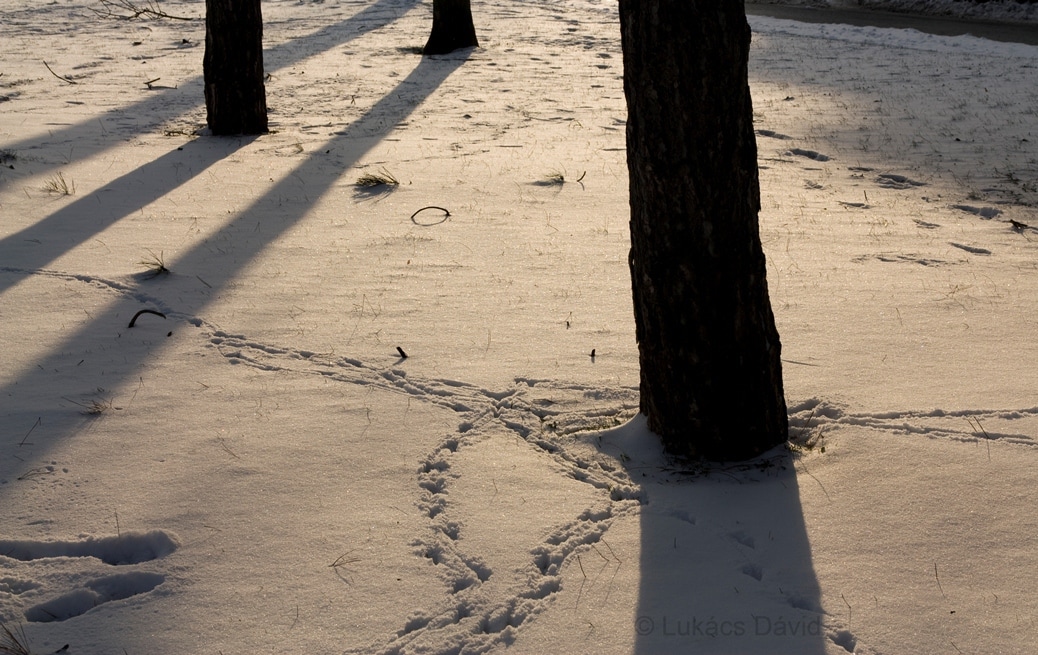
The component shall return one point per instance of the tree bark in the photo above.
(452, 27)
(235, 97)
(711, 373)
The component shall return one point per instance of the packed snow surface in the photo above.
(366, 419)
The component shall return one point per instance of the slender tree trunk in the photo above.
(711, 376)
(452, 27)
(235, 98)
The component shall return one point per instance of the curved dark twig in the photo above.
(60, 77)
(144, 311)
(446, 215)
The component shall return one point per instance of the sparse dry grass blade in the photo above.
(13, 641)
(341, 566)
(59, 185)
(345, 559)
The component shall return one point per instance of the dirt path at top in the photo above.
(996, 31)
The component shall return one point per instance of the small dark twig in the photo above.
(63, 79)
(34, 426)
(144, 311)
(400, 350)
(446, 215)
(580, 180)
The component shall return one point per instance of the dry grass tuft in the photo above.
(57, 184)
(154, 265)
(96, 407)
(378, 179)
(554, 178)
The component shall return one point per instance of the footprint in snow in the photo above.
(124, 550)
(983, 212)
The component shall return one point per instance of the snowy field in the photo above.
(986, 10)
(257, 469)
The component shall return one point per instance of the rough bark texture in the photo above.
(711, 375)
(235, 97)
(452, 27)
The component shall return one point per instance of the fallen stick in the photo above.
(63, 79)
(144, 311)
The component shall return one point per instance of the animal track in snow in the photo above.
(895, 181)
(754, 571)
(967, 425)
(901, 258)
(810, 154)
(983, 212)
(925, 225)
(772, 134)
(541, 417)
(970, 249)
(844, 639)
(743, 539)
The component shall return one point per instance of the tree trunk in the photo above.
(711, 375)
(235, 98)
(452, 27)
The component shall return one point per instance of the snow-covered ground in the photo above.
(988, 10)
(261, 471)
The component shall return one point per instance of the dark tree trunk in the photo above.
(235, 98)
(452, 27)
(711, 376)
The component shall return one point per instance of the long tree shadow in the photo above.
(726, 566)
(164, 103)
(36, 246)
(103, 332)
(41, 243)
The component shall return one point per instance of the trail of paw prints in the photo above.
(129, 289)
(897, 181)
(459, 397)
(553, 416)
(903, 258)
(486, 607)
(480, 617)
(805, 612)
(545, 413)
(968, 425)
(39, 570)
(483, 609)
